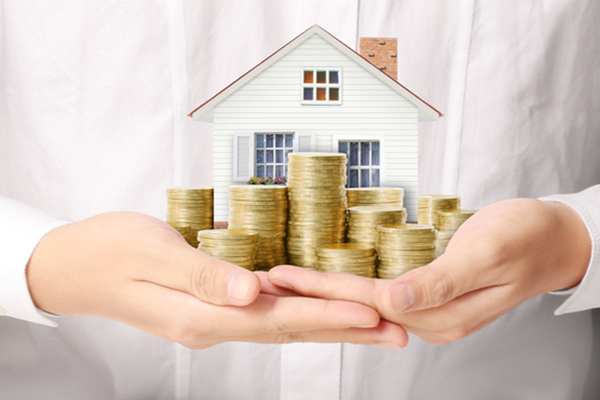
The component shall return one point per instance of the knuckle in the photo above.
(441, 291)
(271, 326)
(289, 337)
(204, 283)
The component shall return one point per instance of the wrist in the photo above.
(573, 244)
(43, 274)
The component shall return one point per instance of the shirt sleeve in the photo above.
(586, 295)
(21, 230)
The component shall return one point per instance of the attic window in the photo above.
(321, 86)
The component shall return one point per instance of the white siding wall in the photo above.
(271, 103)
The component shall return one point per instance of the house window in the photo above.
(272, 151)
(321, 86)
(363, 162)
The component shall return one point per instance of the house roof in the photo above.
(204, 111)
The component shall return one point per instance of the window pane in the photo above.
(321, 76)
(260, 156)
(260, 170)
(279, 156)
(279, 140)
(353, 181)
(375, 178)
(353, 154)
(321, 94)
(260, 141)
(308, 94)
(334, 77)
(269, 171)
(279, 171)
(308, 76)
(364, 178)
(364, 153)
(375, 153)
(286, 171)
(289, 140)
(269, 140)
(334, 94)
(269, 156)
(287, 158)
(343, 147)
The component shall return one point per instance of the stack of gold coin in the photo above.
(353, 258)
(451, 220)
(443, 238)
(429, 205)
(401, 248)
(375, 196)
(364, 220)
(193, 206)
(264, 209)
(317, 204)
(235, 246)
(448, 222)
(183, 229)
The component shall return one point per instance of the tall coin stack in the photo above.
(364, 220)
(429, 205)
(264, 209)
(193, 206)
(401, 248)
(238, 247)
(375, 196)
(317, 204)
(448, 223)
(353, 258)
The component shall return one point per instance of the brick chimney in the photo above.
(382, 52)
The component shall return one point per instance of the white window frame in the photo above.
(316, 85)
(374, 138)
(274, 163)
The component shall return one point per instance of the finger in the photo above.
(453, 274)
(207, 278)
(460, 317)
(386, 335)
(181, 317)
(266, 287)
(328, 285)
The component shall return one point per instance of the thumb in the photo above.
(216, 281)
(429, 287)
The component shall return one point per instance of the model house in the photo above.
(317, 94)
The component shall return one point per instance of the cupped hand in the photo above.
(504, 255)
(136, 269)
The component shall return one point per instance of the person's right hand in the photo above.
(136, 269)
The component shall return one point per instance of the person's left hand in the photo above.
(502, 256)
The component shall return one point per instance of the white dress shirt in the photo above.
(93, 98)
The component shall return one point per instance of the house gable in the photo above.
(275, 95)
(205, 111)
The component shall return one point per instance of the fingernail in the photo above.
(388, 345)
(239, 286)
(401, 297)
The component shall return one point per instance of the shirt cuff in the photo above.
(21, 230)
(586, 295)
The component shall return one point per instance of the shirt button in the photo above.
(2, 311)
